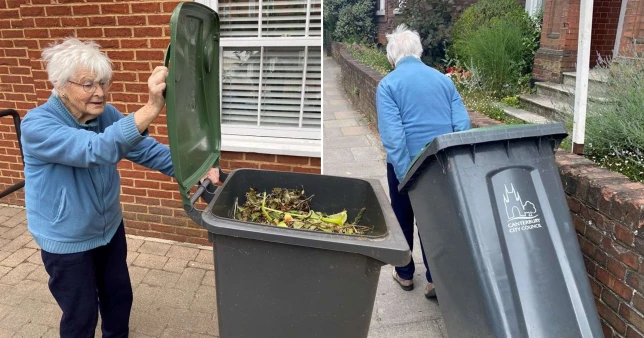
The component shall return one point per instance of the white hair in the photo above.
(403, 42)
(64, 59)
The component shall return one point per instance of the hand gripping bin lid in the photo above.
(271, 281)
(498, 235)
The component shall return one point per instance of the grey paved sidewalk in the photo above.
(173, 284)
(354, 150)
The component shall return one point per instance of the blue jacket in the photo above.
(72, 184)
(415, 104)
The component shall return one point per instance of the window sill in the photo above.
(271, 145)
(380, 12)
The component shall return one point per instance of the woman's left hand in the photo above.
(213, 176)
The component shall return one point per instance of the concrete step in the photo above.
(559, 91)
(563, 92)
(549, 108)
(523, 115)
(597, 81)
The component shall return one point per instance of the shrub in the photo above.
(480, 15)
(500, 39)
(615, 129)
(350, 21)
(496, 51)
(433, 21)
(370, 56)
(531, 42)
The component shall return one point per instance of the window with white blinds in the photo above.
(277, 18)
(271, 67)
(272, 86)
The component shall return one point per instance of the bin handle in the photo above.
(194, 213)
(203, 187)
(166, 62)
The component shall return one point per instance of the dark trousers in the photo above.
(405, 215)
(84, 282)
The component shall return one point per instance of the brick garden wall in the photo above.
(134, 34)
(608, 214)
(358, 81)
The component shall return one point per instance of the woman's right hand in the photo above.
(156, 85)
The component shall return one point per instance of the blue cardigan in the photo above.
(72, 184)
(415, 104)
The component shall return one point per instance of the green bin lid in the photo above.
(192, 94)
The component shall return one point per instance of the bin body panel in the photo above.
(500, 242)
(288, 283)
(272, 290)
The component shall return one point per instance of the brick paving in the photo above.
(173, 285)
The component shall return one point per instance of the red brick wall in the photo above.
(632, 39)
(608, 215)
(134, 34)
(559, 37)
(605, 20)
(558, 50)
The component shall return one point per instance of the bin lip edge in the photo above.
(389, 248)
(251, 225)
(434, 147)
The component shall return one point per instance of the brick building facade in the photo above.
(618, 30)
(135, 35)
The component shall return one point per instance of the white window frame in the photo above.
(271, 140)
(382, 7)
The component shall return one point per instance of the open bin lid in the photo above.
(478, 136)
(192, 94)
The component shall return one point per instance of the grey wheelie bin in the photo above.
(271, 282)
(498, 236)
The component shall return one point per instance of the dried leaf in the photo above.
(290, 208)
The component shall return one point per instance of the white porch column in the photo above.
(583, 68)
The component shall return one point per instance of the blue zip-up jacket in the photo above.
(72, 184)
(415, 104)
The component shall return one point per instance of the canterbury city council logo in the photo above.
(521, 215)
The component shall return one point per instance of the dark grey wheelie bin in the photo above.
(498, 236)
(271, 282)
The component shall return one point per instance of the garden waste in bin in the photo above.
(492, 215)
(271, 281)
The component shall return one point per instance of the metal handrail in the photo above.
(16, 123)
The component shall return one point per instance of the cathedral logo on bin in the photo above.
(522, 215)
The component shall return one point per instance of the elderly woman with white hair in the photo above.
(72, 144)
(415, 104)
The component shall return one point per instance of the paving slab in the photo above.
(358, 153)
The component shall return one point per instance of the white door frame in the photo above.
(620, 27)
